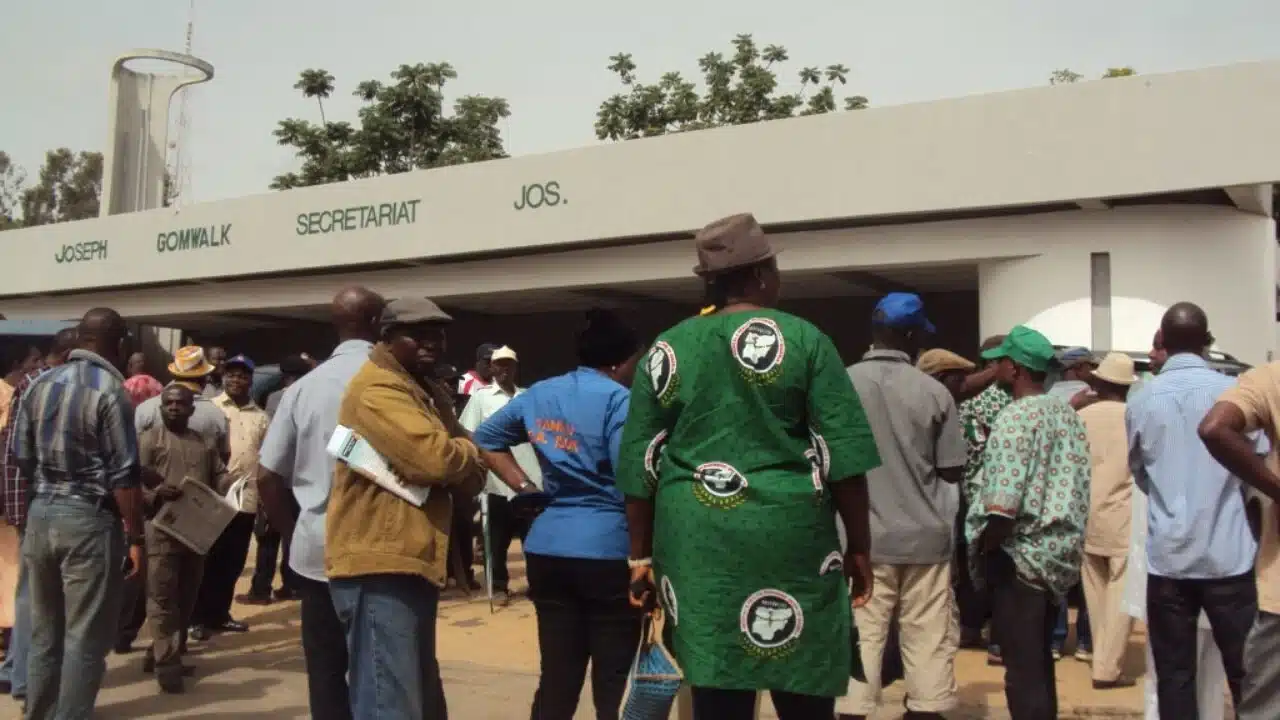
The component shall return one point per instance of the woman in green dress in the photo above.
(744, 440)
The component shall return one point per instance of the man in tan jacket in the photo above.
(385, 557)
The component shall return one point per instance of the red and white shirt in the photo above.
(470, 383)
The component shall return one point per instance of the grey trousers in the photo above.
(1260, 693)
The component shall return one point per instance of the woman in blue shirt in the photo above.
(576, 551)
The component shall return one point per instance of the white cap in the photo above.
(504, 353)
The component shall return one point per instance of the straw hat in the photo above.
(1117, 369)
(189, 363)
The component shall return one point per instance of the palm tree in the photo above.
(318, 84)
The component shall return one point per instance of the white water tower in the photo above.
(134, 163)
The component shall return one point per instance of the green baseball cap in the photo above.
(1025, 347)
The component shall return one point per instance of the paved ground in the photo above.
(490, 666)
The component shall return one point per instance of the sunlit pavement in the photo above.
(490, 666)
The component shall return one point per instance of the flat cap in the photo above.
(413, 310)
(938, 360)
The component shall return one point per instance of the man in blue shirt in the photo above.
(294, 456)
(1200, 550)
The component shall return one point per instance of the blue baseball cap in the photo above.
(241, 360)
(904, 311)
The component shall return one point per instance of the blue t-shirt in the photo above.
(574, 423)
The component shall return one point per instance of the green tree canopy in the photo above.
(740, 89)
(12, 178)
(402, 127)
(68, 188)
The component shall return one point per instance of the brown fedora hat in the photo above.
(730, 243)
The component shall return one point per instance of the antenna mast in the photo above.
(179, 180)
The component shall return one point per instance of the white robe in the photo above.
(1211, 678)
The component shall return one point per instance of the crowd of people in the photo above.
(799, 523)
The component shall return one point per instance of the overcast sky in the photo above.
(548, 58)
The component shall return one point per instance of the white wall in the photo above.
(1125, 137)
(1219, 257)
(1222, 259)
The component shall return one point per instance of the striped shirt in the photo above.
(470, 383)
(14, 487)
(75, 430)
(1196, 521)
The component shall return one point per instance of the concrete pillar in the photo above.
(138, 130)
(158, 344)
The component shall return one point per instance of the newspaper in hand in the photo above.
(350, 448)
(196, 518)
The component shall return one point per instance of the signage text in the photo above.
(196, 238)
(82, 252)
(358, 217)
(540, 195)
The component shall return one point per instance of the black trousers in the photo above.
(324, 646)
(973, 602)
(583, 615)
(1173, 612)
(133, 612)
(1024, 617)
(462, 536)
(717, 704)
(222, 568)
(269, 547)
(504, 527)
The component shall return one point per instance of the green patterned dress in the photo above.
(737, 423)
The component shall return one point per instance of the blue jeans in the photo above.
(14, 669)
(390, 623)
(73, 553)
(1084, 635)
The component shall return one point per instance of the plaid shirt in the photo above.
(13, 487)
(75, 428)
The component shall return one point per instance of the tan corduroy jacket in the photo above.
(368, 530)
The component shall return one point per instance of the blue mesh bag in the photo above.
(655, 677)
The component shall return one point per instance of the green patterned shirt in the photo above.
(977, 415)
(1036, 470)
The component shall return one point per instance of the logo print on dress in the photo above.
(661, 364)
(820, 458)
(669, 601)
(653, 460)
(759, 347)
(771, 621)
(831, 563)
(719, 485)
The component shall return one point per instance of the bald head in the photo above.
(1185, 329)
(64, 341)
(101, 331)
(356, 313)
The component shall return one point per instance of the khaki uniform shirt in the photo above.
(1258, 397)
(1111, 487)
(175, 457)
(246, 428)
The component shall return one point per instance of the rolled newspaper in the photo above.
(348, 447)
